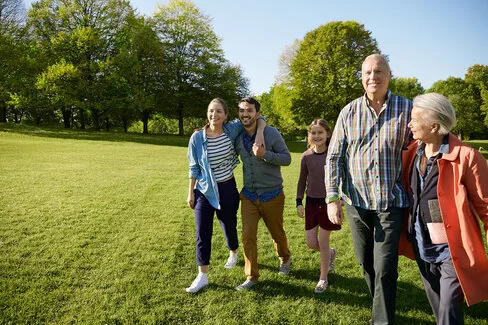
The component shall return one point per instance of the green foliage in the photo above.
(82, 33)
(325, 74)
(126, 68)
(477, 75)
(91, 234)
(198, 70)
(276, 106)
(462, 96)
(159, 124)
(406, 87)
(12, 47)
(138, 73)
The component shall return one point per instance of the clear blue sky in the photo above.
(427, 39)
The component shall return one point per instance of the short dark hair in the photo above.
(251, 100)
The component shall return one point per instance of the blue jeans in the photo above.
(376, 235)
(227, 216)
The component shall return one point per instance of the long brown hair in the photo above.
(323, 123)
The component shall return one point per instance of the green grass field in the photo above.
(94, 229)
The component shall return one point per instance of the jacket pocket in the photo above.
(436, 228)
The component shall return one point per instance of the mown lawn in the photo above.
(94, 228)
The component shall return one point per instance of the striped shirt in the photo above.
(222, 157)
(365, 152)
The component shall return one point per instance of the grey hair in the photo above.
(440, 109)
(380, 57)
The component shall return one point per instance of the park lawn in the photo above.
(94, 228)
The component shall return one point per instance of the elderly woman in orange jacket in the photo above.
(447, 182)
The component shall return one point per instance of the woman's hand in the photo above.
(191, 200)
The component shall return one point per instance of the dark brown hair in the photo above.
(251, 100)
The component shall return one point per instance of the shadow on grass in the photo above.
(72, 134)
(77, 134)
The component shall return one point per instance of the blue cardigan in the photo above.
(199, 164)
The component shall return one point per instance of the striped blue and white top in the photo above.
(222, 157)
(365, 154)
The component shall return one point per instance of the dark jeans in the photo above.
(227, 216)
(443, 290)
(376, 236)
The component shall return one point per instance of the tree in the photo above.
(326, 72)
(197, 69)
(12, 19)
(477, 75)
(406, 87)
(138, 71)
(277, 104)
(463, 98)
(82, 33)
(59, 83)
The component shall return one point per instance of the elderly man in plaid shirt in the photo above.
(363, 169)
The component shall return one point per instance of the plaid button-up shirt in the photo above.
(365, 154)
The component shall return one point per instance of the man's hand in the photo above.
(334, 210)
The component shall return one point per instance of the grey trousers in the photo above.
(376, 236)
(443, 291)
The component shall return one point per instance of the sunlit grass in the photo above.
(94, 228)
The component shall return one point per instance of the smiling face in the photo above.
(248, 115)
(376, 77)
(216, 114)
(317, 136)
(422, 128)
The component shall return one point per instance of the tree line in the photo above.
(99, 64)
(321, 73)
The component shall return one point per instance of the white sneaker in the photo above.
(333, 254)
(321, 286)
(285, 268)
(248, 284)
(200, 282)
(231, 261)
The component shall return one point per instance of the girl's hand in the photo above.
(301, 211)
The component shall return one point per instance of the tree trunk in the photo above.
(66, 117)
(124, 121)
(96, 119)
(3, 112)
(145, 122)
(180, 119)
(82, 118)
(107, 124)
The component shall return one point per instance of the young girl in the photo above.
(315, 211)
(212, 189)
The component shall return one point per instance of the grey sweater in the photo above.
(264, 175)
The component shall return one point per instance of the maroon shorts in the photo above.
(316, 214)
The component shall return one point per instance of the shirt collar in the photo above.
(385, 104)
(444, 148)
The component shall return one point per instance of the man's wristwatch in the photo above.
(331, 199)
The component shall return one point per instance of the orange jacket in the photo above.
(462, 191)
